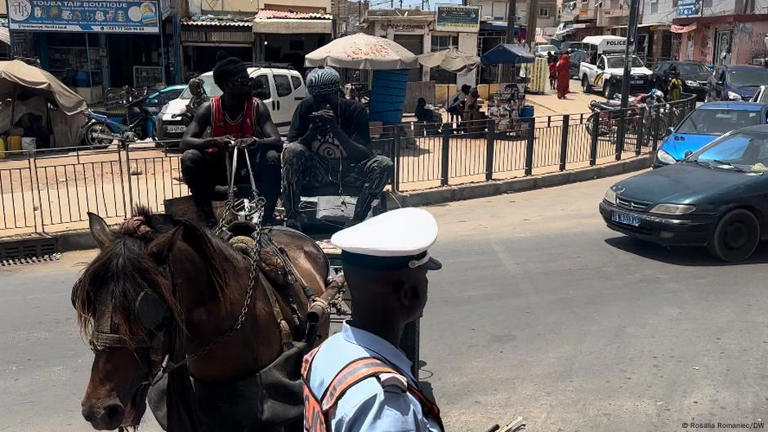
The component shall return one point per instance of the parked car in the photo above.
(608, 73)
(543, 50)
(695, 76)
(281, 91)
(761, 96)
(705, 124)
(577, 56)
(716, 198)
(156, 101)
(736, 82)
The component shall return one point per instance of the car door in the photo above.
(284, 102)
(718, 82)
(600, 72)
(263, 89)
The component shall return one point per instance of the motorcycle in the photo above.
(100, 130)
(644, 111)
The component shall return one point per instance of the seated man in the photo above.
(199, 97)
(329, 145)
(237, 117)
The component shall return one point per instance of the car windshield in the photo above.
(692, 69)
(718, 121)
(618, 62)
(748, 77)
(742, 151)
(211, 89)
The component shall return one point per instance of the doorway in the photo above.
(722, 54)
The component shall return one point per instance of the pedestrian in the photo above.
(330, 146)
(456, 103)
(552, 70)
(472, 115)
(236, 118)
(563, 68)
(358, 379)
(675, 86)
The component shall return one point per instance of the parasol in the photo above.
(507, 54)
(450, 59)
(15, 74)
(362, 51)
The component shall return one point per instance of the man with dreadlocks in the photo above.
(234, 117)
(330, 145)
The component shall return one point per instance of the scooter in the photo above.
(138, 123)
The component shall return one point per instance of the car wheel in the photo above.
(585, 84)
(736, 236)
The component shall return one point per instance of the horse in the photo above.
(221, 306)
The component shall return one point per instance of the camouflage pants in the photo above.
(305, 170)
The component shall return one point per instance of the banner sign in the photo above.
(103, 16)
(688, 8)
(454, 18)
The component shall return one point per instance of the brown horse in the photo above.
(203, 281)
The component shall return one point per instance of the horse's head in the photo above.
(127, 353)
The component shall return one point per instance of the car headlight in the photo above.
(673, 209)
(610, 196)
(690, 83)
(665, 157)
(734, 96)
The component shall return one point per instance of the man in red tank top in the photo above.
(235, 116)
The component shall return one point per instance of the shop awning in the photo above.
(682, 29)
(507, 54)
(286, 22)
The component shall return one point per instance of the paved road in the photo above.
(540, 312)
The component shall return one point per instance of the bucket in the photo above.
(2, 148)
(14, 143)
(526, 111)
(28, 143)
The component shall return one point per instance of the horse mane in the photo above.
(125, 268)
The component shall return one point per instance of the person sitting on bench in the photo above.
(235, 116)
(329, 142)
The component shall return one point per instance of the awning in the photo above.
(451, 60)
(287, 22)
(682, 29)
(507, 54)
(16, 74)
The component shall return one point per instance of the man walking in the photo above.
(235, 118)
(358, 380)
(329, 145)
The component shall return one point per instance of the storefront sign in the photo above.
(103, 16)
(457, 18)
(689, 8)
(407, 28)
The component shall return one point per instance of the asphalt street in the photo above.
(540, 312)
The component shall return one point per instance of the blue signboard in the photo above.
(688, 8)
(102, 16)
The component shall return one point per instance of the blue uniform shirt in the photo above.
(367, 406)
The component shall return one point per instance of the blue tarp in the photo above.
(507, 54)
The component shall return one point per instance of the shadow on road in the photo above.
(682, 256)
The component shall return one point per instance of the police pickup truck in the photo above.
(606, 70)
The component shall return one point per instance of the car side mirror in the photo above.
(688, 153)
(719, 83)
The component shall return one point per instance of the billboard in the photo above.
(110, 16)
(688, 8)
(454, 18)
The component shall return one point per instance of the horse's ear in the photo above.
(160, 249)
(99, 230)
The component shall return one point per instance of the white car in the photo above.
(608, 73)
(281, 92)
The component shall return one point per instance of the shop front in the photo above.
(726, 39)
(202, 38)
(284, 37)
(92, 46)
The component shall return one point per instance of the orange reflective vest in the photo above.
(316, 409)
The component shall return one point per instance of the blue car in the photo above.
(705, 124)
(736, 82)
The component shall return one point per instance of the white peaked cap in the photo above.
(406, 232)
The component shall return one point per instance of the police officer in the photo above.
(358, 380)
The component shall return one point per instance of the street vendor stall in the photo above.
(508, 105)
(35, 105)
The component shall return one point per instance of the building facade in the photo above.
(578, 19)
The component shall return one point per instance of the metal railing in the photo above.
(49, 191)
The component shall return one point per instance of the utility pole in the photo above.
(634, 9)
(533, 15)
(509, 70)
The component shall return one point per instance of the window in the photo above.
(282, 85)
(543, 12)
(440, 43)
(260, 87)
(601, 63)
(296, 82)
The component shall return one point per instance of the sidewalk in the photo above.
(576, 101)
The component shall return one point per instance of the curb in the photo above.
(486, 189)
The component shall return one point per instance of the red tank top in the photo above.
(244, 127)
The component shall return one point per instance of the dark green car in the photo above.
(717, 197)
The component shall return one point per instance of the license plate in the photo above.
(636, 82)
(626, 219)
(176, 129)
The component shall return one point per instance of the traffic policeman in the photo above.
(358, 380)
